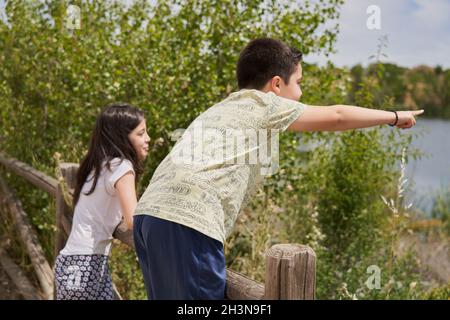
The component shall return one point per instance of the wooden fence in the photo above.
(290, 268)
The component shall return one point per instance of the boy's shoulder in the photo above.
(244, 108)
(244, 99)
(257, 95)
(252, 99)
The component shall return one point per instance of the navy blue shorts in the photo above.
(178, 262)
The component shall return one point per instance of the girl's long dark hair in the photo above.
(109, 140)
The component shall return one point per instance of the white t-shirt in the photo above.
(97, 215)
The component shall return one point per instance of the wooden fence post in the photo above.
(290, 272)
(68, 173)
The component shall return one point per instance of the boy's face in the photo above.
(291, 90)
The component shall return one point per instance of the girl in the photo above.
(104, 194)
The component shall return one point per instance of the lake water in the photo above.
(430, 174)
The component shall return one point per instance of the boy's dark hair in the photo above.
(264, 58)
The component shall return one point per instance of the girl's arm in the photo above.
(125, 187)
(342, 117)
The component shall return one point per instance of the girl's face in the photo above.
(139, 140)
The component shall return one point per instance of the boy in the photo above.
(196, 193)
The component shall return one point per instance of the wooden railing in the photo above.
(290, 268)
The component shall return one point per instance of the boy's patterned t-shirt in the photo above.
(219, 162)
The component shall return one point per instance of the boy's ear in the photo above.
(275, 84)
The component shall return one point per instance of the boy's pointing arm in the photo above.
(342, 117)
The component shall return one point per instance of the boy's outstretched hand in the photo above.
(406, 118)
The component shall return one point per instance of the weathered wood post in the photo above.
(290, 272)
(68, 176)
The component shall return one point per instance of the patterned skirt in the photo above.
(83, 277)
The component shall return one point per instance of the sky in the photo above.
(418, 32)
